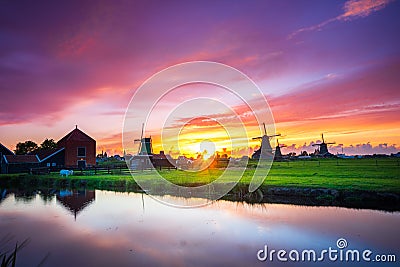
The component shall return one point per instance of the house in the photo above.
(4, 151)
(19, 163)
(79, 149)
(75, 150)
(162, 161)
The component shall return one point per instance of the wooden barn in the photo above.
(54, 158)
(19, 163)
(75, 150)
(79, 149)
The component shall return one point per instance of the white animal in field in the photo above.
(66, 172)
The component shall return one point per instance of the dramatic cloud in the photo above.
(371, 90)
(362, 8)
(352, 9)
(77, 62)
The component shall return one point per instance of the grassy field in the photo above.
(365, 174)
(381, 175)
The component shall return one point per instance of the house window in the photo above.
(81, 151)
(48, 164)
(53, 164)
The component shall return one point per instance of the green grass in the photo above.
(382, 175)
(352, 174)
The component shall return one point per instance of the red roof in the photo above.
(75, 134)
(21, 159)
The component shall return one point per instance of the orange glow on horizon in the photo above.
(346, 131)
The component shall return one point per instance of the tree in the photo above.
(26, 147)
(48, 144)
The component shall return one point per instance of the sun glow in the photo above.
(198, 141)
(207, 149)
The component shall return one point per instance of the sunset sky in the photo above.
(329, 67)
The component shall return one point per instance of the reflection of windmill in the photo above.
(278, 153)
(145, 145)
(323, 148)
(265, 150)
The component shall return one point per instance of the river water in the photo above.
(103, 228)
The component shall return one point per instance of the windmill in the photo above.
(323, 147)
(265, 150)
(278, 153)
(145, 153)
(145, 144)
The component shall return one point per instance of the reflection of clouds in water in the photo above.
(118, 230)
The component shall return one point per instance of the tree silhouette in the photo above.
(48, 144)
(26, 148)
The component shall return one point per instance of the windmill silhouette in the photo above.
(323, 147)
(145, 144)
(265, 151)
(278, 153)
(143, 159)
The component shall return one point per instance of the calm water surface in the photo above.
(101, 228)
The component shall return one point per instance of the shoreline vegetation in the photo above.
(352, 183)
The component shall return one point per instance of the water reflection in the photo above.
(129, 229)
(76, 200)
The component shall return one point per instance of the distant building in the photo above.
(184, 163)
(162, 160)
(344, 156)
(118, 157)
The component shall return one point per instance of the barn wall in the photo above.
(58, 158)
(71, 152)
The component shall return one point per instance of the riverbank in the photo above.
(354, 184)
